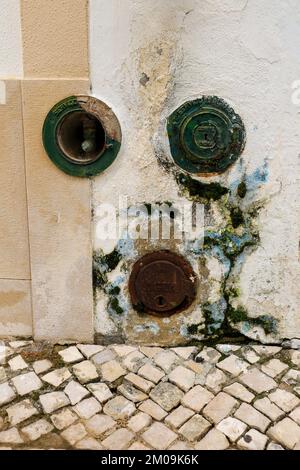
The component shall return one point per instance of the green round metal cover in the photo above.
(82, 136)
(206, 136)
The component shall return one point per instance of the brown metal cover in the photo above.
(162, 283)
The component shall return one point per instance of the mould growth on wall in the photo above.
(225, 243)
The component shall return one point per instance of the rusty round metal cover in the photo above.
(162, 283)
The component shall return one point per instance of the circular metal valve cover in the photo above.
(206, 136)
(162, 283)
(82, 136)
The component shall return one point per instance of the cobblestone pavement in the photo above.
(124, 397)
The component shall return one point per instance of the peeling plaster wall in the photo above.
(147, 58)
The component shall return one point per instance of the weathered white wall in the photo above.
(245, 52)
(11, 62)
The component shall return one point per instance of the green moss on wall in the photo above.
(242, 190)
(198, 190)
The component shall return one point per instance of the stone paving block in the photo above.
(239, 391)
(27, 383)
(63, 419)
(253, 440)
(182, 377)
(89, 443)
(37, 429)
(297, 390)
(295, 357)
(292, 377)
(257, 381)
(194, 428)
(101, 391)
(220, 407)
(103, 356)
(123, 350)
(252, 417)
(132, 393)
(119, 408)
(197, 398)
(153, 409)
(74, 433)
(111, 371)
(19, 344)
(266, 350)
(167, 395)
(138, 446)
(119, 440)
(3, 376)
(287, 401)
(227, 348)
(274, 367)
(11, 436)
(139, 422)
(89, 350)
(159, 436)
(286, 431)
(181, 445)
(57, 377)
(232, 428)
(274, 446)
(75, 392)
(295, 415)
(210, 355)
(17, 363)
(71, 355)
(5, 353)
(179, 416)
(20, 412)
(99, 424)
(150, 351)
(250, 355)
(134, 361)
(197, 367)
(268, 408)
(87, 408)
(185, 352)
(233, 364)
(41, 366)
(53, 401)
(166, 360)
(85, 371)
(215, 380)
(149, 372)
(214, 440)
(7, 394)
(140, 383)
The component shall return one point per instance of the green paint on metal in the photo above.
(206, 136)
(105, 156)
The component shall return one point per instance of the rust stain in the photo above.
(9, 299)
